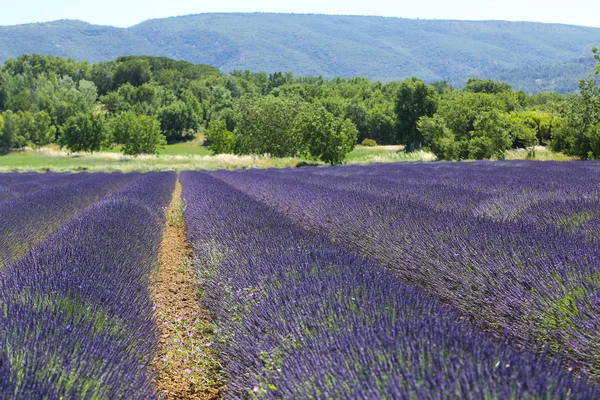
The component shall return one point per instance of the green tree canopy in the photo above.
(440, 139)
(329, 138)
(414, 100)
(287, 126)
(578, 132)
(476, 85)
(178, 120)
(135, 71)
(222, 141)
(490, 136)
(139, 134)
(6, 130)
(85, 132)
(25, 128)
(269, 125)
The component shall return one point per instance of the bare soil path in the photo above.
(185, 364)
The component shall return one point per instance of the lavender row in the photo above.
(5, 194)
(299, 317)
(7, 179)
(28, 219)
(530, 280)
(16, 184)
(472, 188)
(75, 313)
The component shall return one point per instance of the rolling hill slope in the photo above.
(376, 47)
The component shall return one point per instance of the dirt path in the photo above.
(186, 367)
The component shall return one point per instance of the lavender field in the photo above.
(75, 312)
(401, 281)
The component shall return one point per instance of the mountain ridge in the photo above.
(380, 48)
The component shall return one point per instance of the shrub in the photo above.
(368, 142)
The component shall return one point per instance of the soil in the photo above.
(184, 365)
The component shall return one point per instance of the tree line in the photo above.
(141, 103)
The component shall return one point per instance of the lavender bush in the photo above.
(75, 313)
(513, 245)
(28, 218)
(300, 317)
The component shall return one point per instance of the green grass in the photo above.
(113, 162)
(191, 147)
(180, 156)
(185, 148)
(193, 156)
(382, 154)
(540, 154)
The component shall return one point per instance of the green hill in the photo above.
(376, 47)
(562, 78)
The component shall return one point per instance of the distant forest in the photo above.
(532, 57)
(142, 102)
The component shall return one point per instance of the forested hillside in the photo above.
(562, 78)
(378, 48)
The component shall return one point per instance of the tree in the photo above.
(85, 132)
(490, 136)
(525, 129)
(114, 103)
(4, 85)
(380, 123)
(192, 103)
(541, 122)
(9, 130)
(287, 126)
(23, 123)
(178, 121)
(356, 111)
(2, 131)
(578, 132)
(40, 64)
(143, 99)
(329, 138)
(43, 131)
(62, 97)
(476, 85)
(133, 70)
(414, 100)
(216, 101)
(269, 125)
(19, 93)
(17, 129)
(442, 87)
(460, 109)
(492, 133)
(439, 138)
(278, 79)
(221, 140)
(88, 94)
(102, 74)
(139, 134)
(25, 128)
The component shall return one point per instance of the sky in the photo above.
(125, 13)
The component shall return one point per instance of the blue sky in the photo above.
(125, 13)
